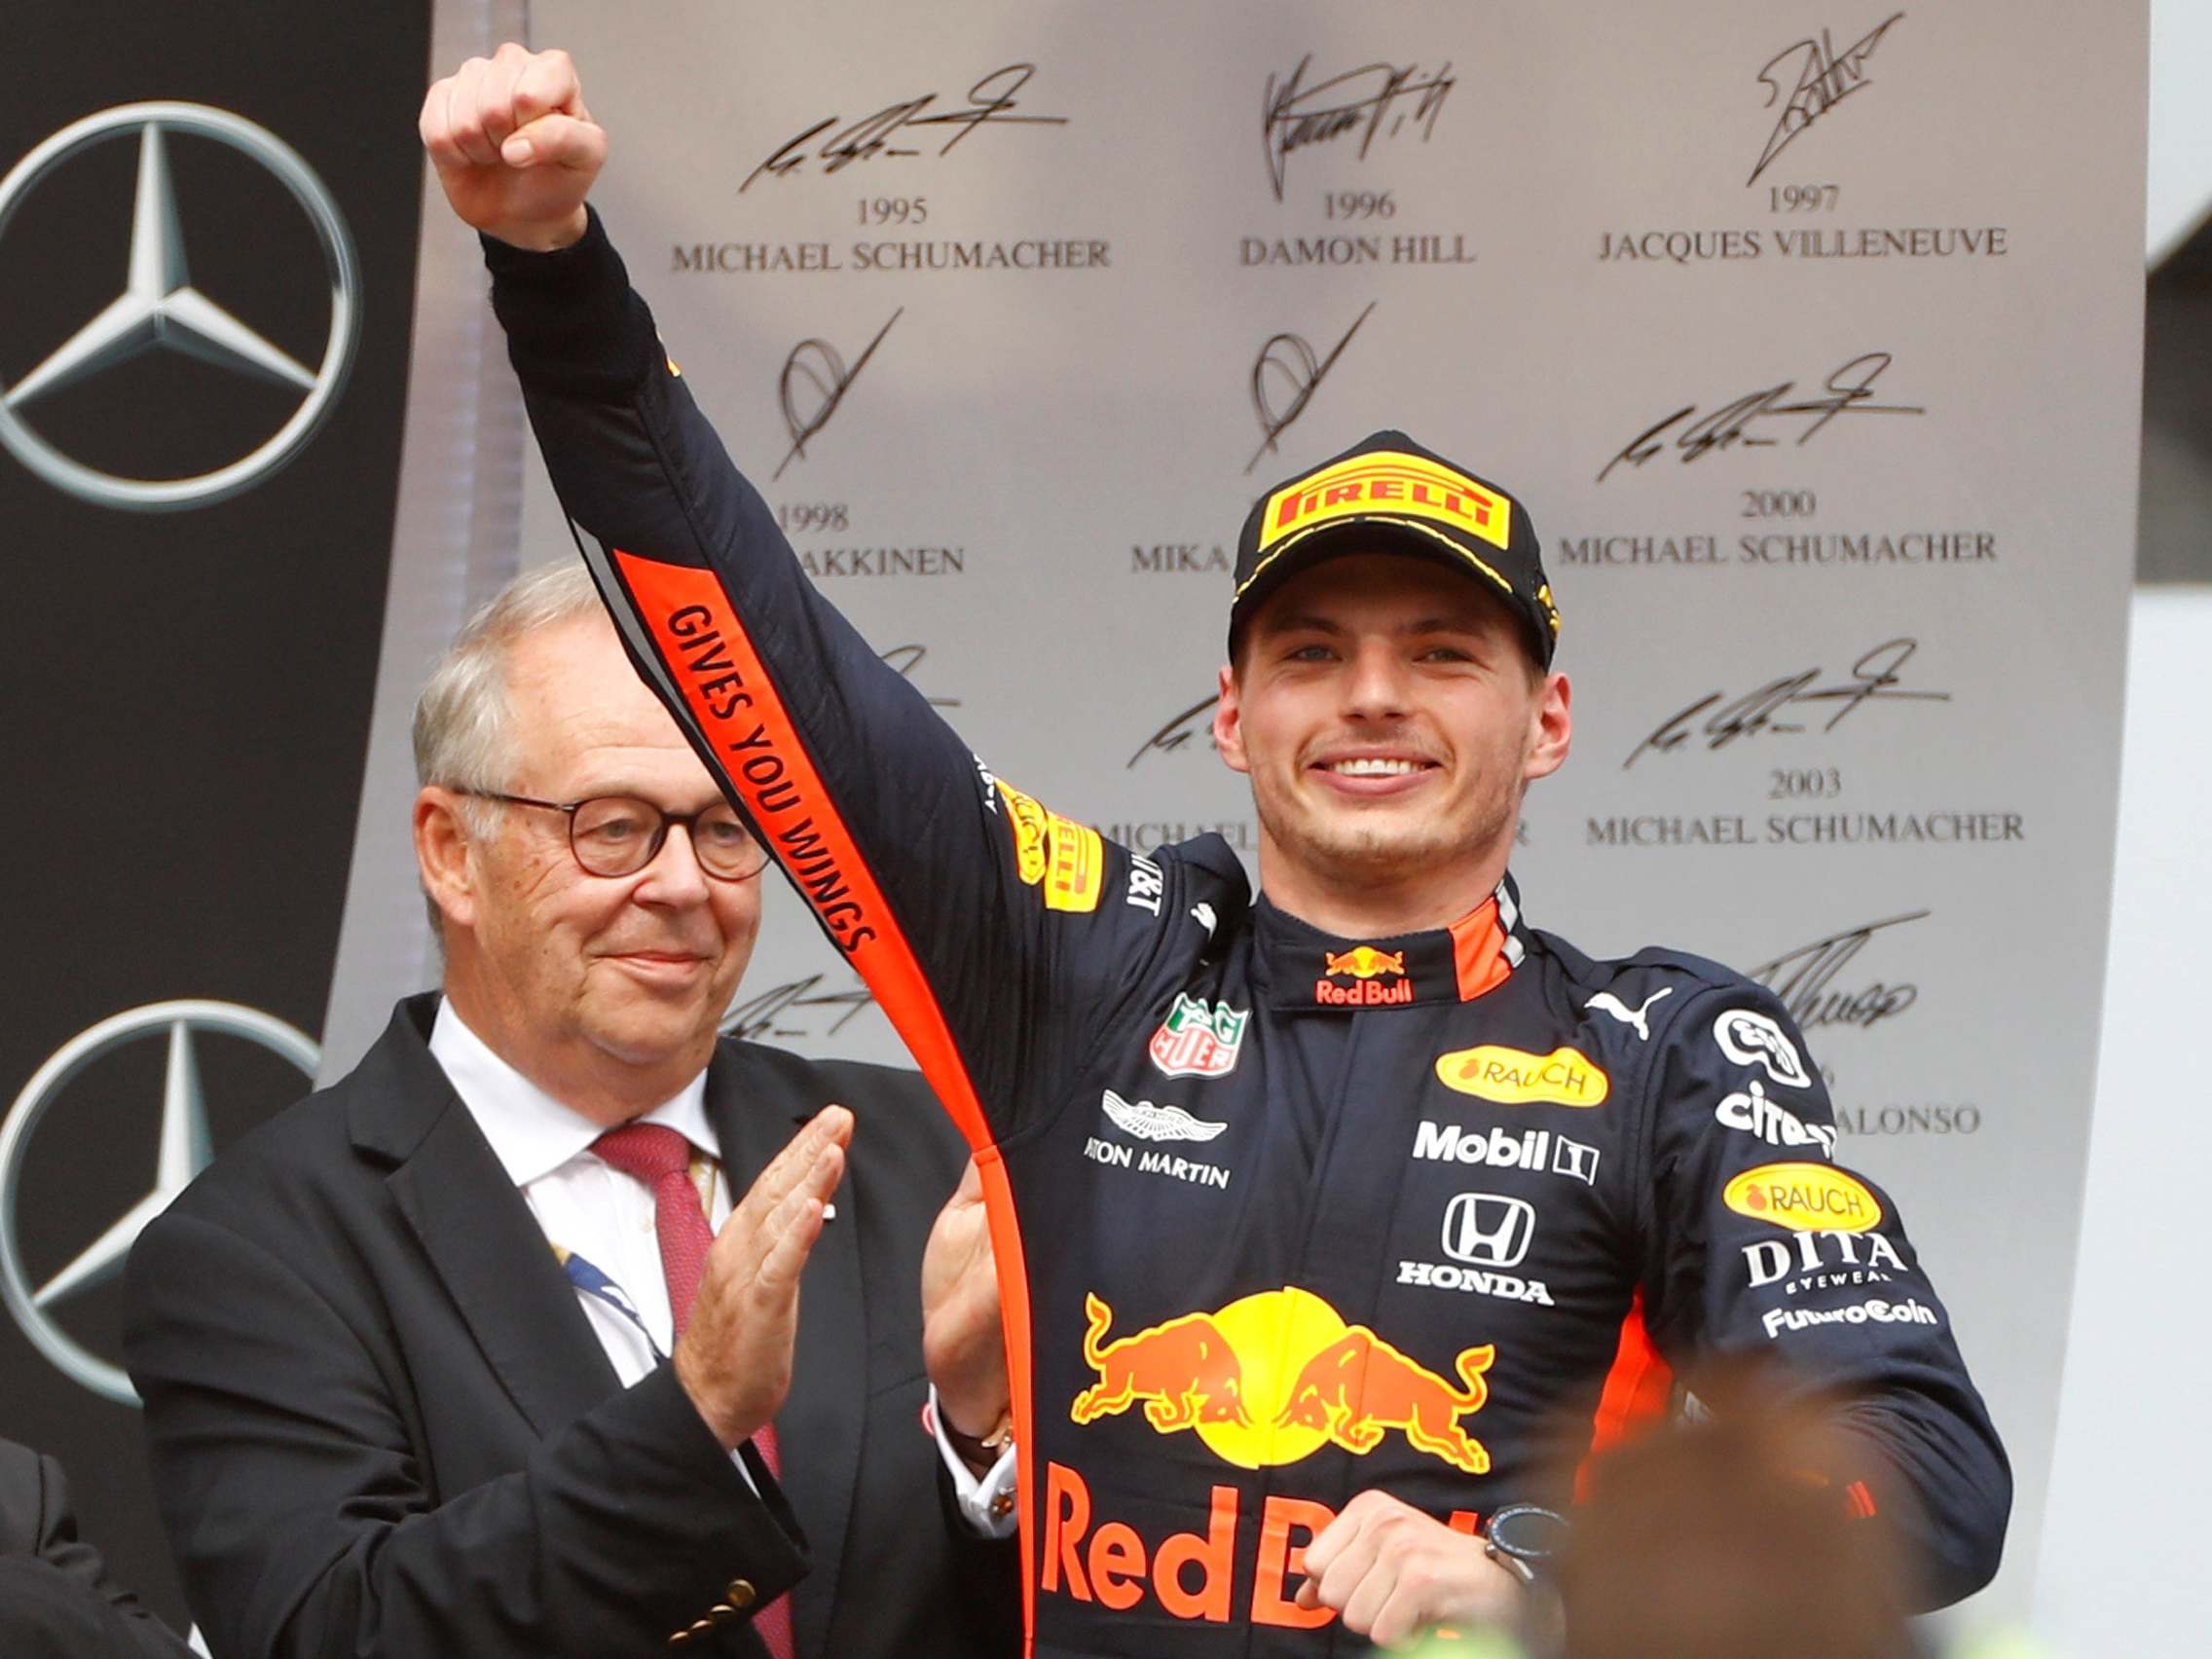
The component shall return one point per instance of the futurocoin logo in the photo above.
(158, 307)
(1274, 1377)
(183, 1151)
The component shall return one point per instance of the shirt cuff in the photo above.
(987, 1502)
(737, 1457)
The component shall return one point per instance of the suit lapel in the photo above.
(480, 1236)
(755, 1108)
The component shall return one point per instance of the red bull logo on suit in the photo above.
(1268, 1380)
(1274, 1377)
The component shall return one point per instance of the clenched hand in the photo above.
(514, 146)
(1397, 1573)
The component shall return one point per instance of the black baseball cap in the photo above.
(1386, 494)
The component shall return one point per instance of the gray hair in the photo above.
(462, 718)
(463, 737)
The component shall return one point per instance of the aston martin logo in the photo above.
(159, 307)
(183, 1152)
(1147, 1121)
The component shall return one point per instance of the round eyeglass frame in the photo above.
(662, 819)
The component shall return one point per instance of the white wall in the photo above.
(2181, 124)
(2128, 1533)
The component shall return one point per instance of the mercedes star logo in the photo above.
(183, 1153)
(159, 307)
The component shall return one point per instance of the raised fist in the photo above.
(514, 146)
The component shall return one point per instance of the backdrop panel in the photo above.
(1810, 332)
(206, 264)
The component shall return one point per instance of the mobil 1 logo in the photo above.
(1542, 1151)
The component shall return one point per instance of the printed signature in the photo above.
(1803, 979)
(1354, 104)
(1825, 77)
(905, 659)
(1179, 733)
(1849, 391)
(1287, 363)
(786, 1010)
(1874, 679)
(814, 368)
(990, 102)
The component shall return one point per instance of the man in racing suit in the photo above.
(1329, 1220)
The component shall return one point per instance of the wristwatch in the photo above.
(1524, 1538)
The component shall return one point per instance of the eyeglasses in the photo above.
(615, 835)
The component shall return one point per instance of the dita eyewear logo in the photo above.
(183, 1151)
(159, 307)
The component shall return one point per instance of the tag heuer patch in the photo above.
(1199, 1037)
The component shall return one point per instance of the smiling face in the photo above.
(1390, 719)
(606, 992)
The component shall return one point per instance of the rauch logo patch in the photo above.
(1805, 1197)
(1514, 1077)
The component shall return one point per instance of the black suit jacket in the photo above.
(56, 1601)
(379, 1423)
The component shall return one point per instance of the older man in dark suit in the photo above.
(485, 1349)
(56, 1601)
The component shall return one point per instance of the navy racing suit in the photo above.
(1279, 1216)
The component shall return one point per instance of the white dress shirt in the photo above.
(590, 1209)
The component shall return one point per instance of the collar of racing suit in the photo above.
(1304, 968)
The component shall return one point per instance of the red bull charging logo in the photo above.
(1274, 1377)
(1363, 962)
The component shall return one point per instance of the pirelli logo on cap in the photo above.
(1389, 481)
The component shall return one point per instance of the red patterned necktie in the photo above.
(661, 1158)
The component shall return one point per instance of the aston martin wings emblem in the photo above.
(1147, 1121)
